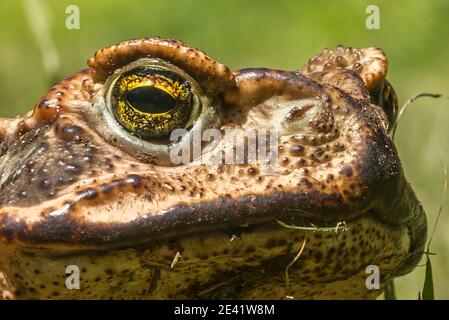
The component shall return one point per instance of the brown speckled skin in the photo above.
(72, 194)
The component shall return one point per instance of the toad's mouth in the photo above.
(402, 221)
(240, 245)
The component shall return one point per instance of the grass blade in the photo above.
(390, 292)
(428, 292)
(440, 210)
(287, 278)
(337, 230)
(39, 18)
(407, 103)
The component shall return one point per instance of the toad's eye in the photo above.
(150, 107)
(151, 101)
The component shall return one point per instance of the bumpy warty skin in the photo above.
(72, 193)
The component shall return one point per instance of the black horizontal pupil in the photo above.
(150, 99)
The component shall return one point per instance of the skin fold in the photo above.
(76, 189)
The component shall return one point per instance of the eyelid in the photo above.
(154, 62)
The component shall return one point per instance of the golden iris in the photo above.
(151, 101)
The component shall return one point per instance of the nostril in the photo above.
(297, 112)
(306, 116)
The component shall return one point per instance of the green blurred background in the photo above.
(259, 33)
